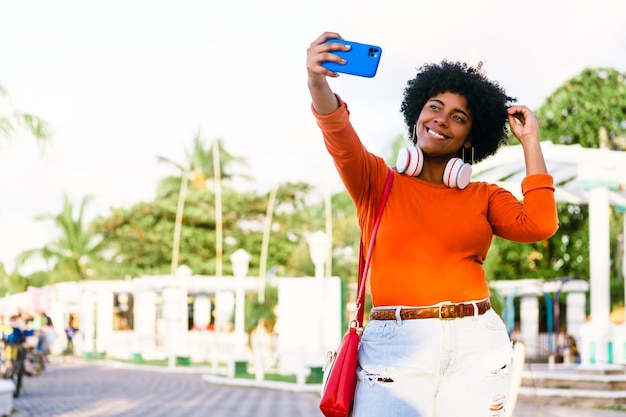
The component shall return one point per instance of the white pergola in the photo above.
(572, 167)
(583, 176)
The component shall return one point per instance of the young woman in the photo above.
(433, 346)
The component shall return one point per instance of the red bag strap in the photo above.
(364, 262)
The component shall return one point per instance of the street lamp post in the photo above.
(175, 313)
(319, 245)
(240, 260)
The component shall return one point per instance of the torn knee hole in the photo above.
(383, 378)
(503, 370)
(374, 377)
(496, 408)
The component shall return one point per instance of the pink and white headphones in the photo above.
(456, 174)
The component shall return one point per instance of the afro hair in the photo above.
(486, 100)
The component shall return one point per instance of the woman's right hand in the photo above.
(324, 100)
(319, 52)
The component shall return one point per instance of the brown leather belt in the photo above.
(442, 311)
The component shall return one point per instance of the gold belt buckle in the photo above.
(440, 308)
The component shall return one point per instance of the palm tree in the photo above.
(75, 248)
(200, 165)
(12, 119)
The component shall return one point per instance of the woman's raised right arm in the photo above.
(324, 100)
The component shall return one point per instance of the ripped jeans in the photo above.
(434, 368)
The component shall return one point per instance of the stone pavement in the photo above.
(530, 409)
(101, 389)
(85, 389)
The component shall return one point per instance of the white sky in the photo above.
(122, 82)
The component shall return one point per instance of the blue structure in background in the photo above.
(551, 291)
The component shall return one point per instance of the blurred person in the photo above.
(70, 333)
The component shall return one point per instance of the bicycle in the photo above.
(13, 355)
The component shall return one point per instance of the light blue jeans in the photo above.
(434, 368)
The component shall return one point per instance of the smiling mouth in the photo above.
(436, 134)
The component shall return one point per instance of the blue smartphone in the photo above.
(362, 59)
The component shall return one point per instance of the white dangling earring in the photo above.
(410, 160)
(463, 155)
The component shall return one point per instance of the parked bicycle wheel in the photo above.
(33, 363)
(18, 372)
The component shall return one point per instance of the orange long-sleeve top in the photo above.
(432, 240)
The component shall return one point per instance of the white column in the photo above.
(171, 316)
(619, 331)
(183, 276)
(240, 260)
(224, 309)
(201, 311)
(607, 170)
(599, 333)
(599, 256)
(529, 323)
(87, 322)
(575, 313)
(241, 337)
(104, 321)
(145, 323)
(624, 245)
(623, 210)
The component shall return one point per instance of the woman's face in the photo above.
(443, 125)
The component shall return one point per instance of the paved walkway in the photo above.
(87, 389)
(529, 409)
(84, 389)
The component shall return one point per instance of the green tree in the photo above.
(12, 283)
(591, 102)
(73, 253)
(397, 143)
(346, 237)
(563, 255)
(142, 234)
(13, 120)
(202, 163)
(576, 113)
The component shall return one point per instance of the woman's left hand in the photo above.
(524, 124)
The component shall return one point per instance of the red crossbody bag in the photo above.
(340, 372)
